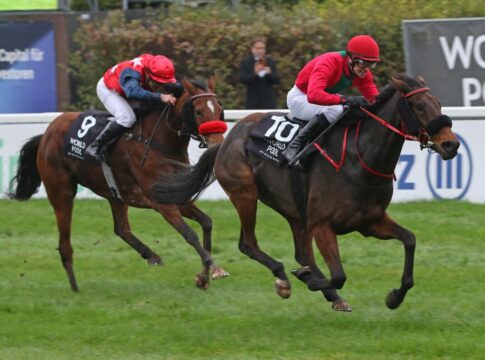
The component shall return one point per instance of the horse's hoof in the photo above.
(155, 261)
(341, 305)
(283, 288)
(202, 281)
(393, 299)
(299, 273)
(218, 273)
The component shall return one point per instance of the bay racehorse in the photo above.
(197, 113)
(341, 196)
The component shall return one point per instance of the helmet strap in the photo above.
(351, 64)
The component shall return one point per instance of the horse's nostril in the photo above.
(450, 146)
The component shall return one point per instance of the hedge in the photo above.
(214, 39)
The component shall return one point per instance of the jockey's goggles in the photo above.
(364, 64)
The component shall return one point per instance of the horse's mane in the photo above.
(198, 84)
(388, 91)
(177, 89)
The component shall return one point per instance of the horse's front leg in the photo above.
(386, 228)
(309, 273)
(191, 211)
(326, 241)
(174, 217)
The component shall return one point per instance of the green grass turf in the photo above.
(28, 4)
(129, 310)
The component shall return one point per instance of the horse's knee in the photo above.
(409, 239)
(338, 281)
(65, 253)
(206, 224)
(244, 248)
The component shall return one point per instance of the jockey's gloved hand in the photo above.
(354, 101)
(176, 89)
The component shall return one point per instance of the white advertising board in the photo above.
(421, 175)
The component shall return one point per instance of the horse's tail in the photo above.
(187, 185)
(27, 180)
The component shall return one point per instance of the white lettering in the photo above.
(36, 54)
(472, 90)
(279, 134)
(277, 121)
(78, 143)
(88, 123)
(457, 49)
(14, 56)
(14, 74)
(477, 54)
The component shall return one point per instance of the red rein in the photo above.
(339, 165)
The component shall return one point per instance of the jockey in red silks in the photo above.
(139, 79)
(315, 96)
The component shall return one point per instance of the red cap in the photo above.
(161, 69)
(363, 47)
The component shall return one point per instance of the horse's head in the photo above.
(421, 113)
(203, 115)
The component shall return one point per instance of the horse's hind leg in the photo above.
(245, 200)
(122, 228)
(191, 211)
(309, 273)
(61, 191)
(386, 228)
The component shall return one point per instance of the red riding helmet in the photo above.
(363, 47)
(161, 69)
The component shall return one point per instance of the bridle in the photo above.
(198, 132)
(419, 133)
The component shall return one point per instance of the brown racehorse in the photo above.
(354, 198)
(42, 159)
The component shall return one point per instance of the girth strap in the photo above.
(298, 191)
(154, 145)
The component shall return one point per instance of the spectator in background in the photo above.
(259, 74)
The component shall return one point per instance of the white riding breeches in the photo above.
(116, 105)
(299, 106)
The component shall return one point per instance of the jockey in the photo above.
(315, 96)
(139, 79)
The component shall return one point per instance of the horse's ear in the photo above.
(189, 87)
(399, 83)
(420, 79)
(211, 83)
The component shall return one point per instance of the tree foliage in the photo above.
(216, 37)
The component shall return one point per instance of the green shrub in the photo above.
(216, 37)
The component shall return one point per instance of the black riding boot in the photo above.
(111, 131)
(314, 127)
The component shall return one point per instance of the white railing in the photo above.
(418, 174)
(456, 113)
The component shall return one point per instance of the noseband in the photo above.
(207, 128)
(423, 134)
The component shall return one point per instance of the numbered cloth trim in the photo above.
(212, 127)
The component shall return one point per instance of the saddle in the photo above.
(273, 134)
(87, 127)
(83, 131)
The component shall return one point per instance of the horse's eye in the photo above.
(419, 107)
(198, 113)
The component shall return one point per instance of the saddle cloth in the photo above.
(272, 135)
(83, 131)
